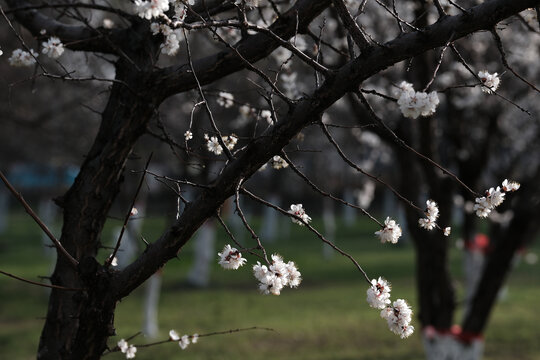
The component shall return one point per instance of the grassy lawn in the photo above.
(327, 317)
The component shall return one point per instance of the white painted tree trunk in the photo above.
(473, 266)
(349, 214)
(269, 227)
(204, 253)
(329, 221)
(151, 305)
(447, 347)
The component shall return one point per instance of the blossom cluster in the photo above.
(298, 210)
(273, 278)
(21, 58)
(493, 198)
(432, 213)
(213, 145)
(416, 103)
(490, 82)
(225, 99)
(397, 314)
(231, 258)
(378, 295)
(125, 348)
(390, 233)
(184, 340)
(53, 47)
(151, 9)
(171, 45)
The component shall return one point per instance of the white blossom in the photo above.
(122, 345)
(151, 9)
(171, 45)
(184, 342)
(173, 335)
(398, 317)
(194, 338)
(188, 135)
(490, 82)
(230, 141)
(231, 258)
(130, 352)
(279, 163)
(53, 48)
(390, 233)
(20, 58)
(432, 213)
(294, 278)
(225, 99)
(267, 115)
(508, 186)
(482, 207)
(378, 294)
(279, 274)
(298, 210)
(213, 145)
(432, 210)
(493, 198)
(447, 231)
(416, 103)
(427, 223)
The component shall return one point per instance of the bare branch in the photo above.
(40, 284)
(38, 221)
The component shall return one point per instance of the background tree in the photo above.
(337, 49)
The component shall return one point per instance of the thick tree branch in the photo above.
(179, 78)
(75, 37)
(260, 150)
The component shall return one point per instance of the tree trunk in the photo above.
(450, 347)
(79, 322)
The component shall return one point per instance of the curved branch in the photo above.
(74, 37)
(308, 110)
(179, 78)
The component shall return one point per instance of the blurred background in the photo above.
(47, 127)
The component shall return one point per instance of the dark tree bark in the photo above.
(79, 322)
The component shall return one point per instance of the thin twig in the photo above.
(362, 171)
(246, 224)
(403, 144)
(311, 228)
(38, 221)
(206, 106)
(500, 47)
(128, 215)
(40, 284)
(324, 193)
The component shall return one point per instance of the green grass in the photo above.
(327, 317)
